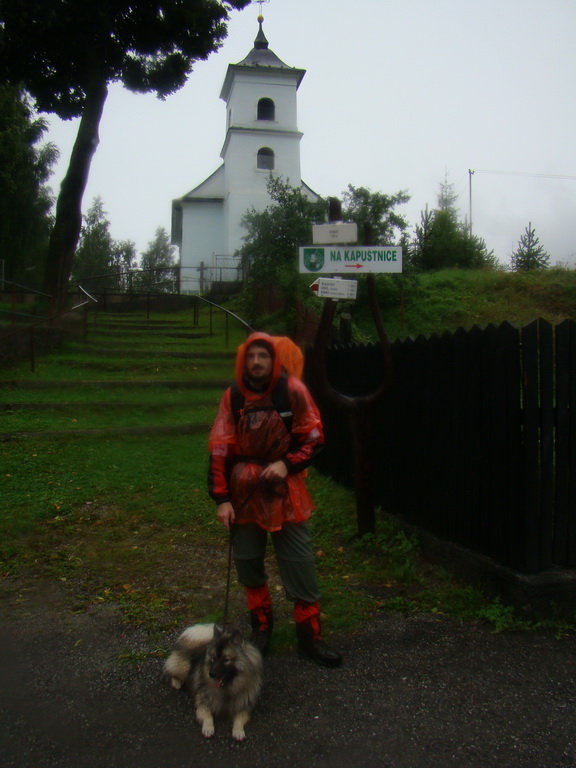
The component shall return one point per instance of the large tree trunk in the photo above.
(68, 222)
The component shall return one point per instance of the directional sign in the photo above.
(354, 259)
(339, 232)
(335, 288)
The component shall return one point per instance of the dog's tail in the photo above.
(191, 642)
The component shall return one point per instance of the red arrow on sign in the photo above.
(354, 266)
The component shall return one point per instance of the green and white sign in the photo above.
(354, 259)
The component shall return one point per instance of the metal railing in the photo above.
(49, 320)
(227, 314)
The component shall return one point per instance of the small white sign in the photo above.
(354, 259)
(335, 288)
(335, 233)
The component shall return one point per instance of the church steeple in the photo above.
(260, 41)
(262, 136)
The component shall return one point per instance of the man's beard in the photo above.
(257, 376)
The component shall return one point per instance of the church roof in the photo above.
(260, 57)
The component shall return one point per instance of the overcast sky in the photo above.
(397, 96)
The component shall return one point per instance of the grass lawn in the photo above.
(127, 519)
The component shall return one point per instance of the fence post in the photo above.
(32, 351)
(13, 304)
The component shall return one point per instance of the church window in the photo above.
(265, 159)
(266, 109)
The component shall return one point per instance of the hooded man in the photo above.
(266, 433)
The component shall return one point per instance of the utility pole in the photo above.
(470, 174)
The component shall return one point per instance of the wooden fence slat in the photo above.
(492, 489)
(562, 510)
(571, 563)
(510, 423)
(531, 446)
(547, 427)
(568, 330)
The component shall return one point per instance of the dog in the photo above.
(223, 671)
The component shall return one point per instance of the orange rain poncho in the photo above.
(242, 444)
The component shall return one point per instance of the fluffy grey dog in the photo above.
(223, 671)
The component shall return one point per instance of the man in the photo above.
(266, 433)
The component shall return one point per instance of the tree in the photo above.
(93, 261)
(441, 241)
(447, 197)
(124, 262)
(67, 52)
(530, 254)
(159, 270)
(276, 233)
(374, 214)
(25, 199)
(270, 251)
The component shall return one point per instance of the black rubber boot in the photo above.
(261, 632)
(314, 648)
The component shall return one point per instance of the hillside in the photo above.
(446, 300)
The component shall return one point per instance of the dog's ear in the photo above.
(218, 632)
(237, 637)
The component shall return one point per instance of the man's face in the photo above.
(258, 363)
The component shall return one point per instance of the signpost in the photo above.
(335, 288)
(336, 259)
(336, 232)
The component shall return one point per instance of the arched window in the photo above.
(266, 109)
(265, 159)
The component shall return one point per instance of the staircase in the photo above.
(133, 374)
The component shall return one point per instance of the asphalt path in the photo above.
(414, 692)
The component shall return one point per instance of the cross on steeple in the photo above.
(260, 3)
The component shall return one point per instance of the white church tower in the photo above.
(261, 137)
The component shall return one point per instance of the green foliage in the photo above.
(442, 241)
(102, 263)
(59, 53)
(530, 254)
(158, 264)
(275, 234)
(25, 200)
(446, 300)
(271, 247)
(374, 214)
(93, 259)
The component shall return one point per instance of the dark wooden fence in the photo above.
(476, 440)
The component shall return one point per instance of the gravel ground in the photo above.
(414, 692)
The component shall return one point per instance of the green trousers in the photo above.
(294, 555)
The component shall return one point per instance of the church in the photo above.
(261, 137)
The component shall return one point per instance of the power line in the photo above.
(512, 173)
(536, 175)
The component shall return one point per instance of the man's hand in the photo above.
(274, 472)
(225, 514)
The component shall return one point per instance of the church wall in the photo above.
(247, 184)
(202, 239)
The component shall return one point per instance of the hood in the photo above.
(241, 356)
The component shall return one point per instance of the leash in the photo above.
(230, 542)
(228, 577)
